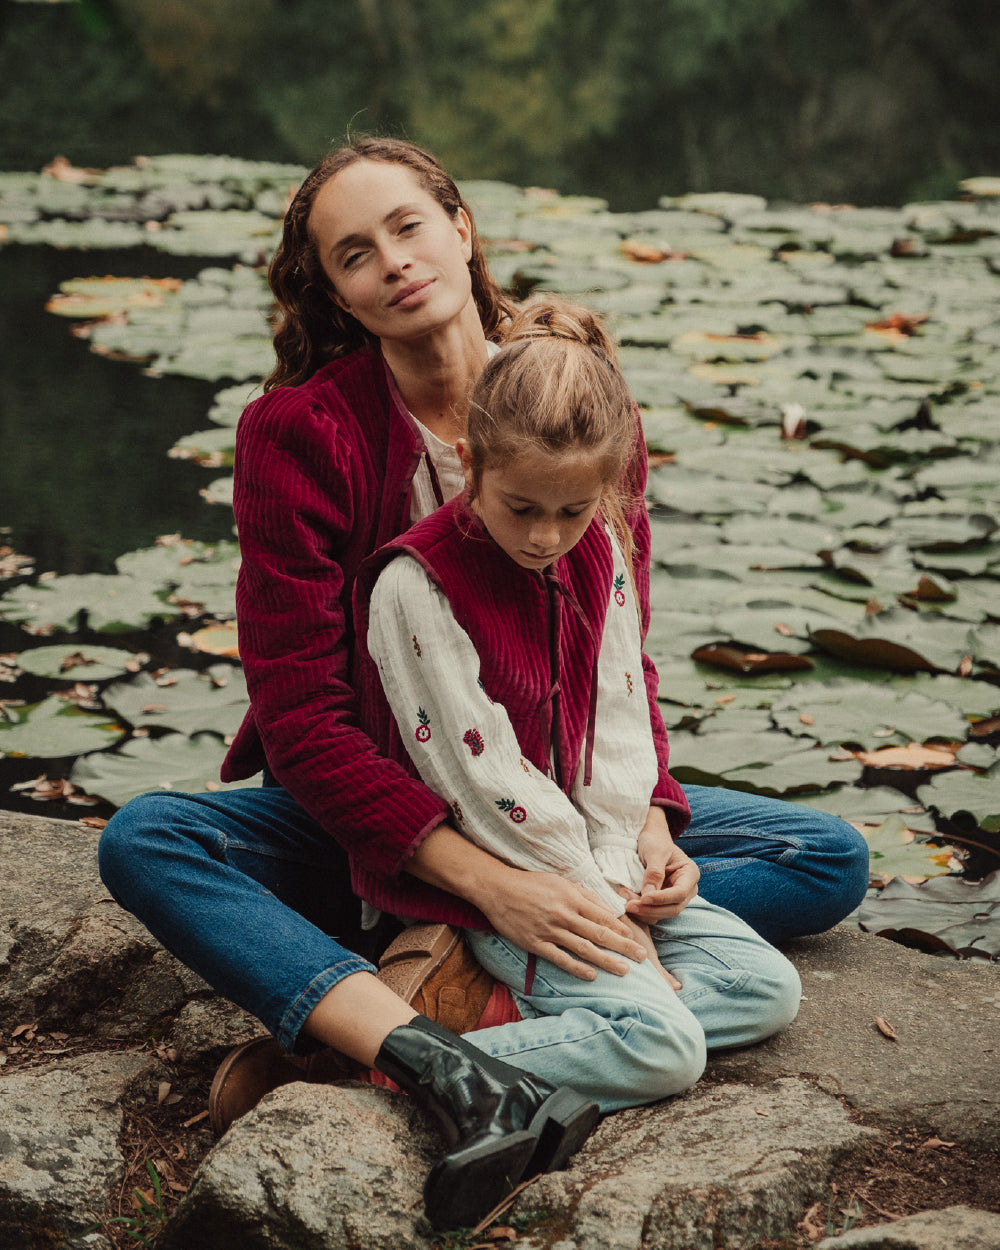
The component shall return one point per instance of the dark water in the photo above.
(84, 471)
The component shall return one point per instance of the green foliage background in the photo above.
(804, 99)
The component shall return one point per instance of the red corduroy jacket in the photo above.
(322, 480)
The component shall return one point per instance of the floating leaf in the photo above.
(214, 700)
(945, 913)
(54, 728)
(77, 663)
(966, 797)
(173, 762)
(112, 604)
(894, 851)
(729, 655)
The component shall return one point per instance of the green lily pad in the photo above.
(901, 641)
(173, 762)
(769, 764)
(894, 852)
(870, 805)
(966, 797)
(77, 663)
(945, 913)
(867, 713)
(183, 700)
(54, 728)
(112, 604)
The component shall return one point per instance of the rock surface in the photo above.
(739, 1159)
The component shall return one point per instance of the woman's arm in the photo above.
(304, 507)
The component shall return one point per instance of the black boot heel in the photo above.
(501, 1123)
(563, 1123)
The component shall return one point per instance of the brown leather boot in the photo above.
(256, 1068)
(430, 967)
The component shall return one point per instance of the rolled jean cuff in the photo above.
(289, 1033)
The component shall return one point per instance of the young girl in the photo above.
(507, 639)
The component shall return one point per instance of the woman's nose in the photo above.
(394, 259)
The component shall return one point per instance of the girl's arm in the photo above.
(462, 743)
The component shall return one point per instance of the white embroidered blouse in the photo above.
(464, 746)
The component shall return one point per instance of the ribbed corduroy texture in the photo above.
(322, 479)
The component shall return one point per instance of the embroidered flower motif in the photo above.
(473, 739)
(416, 647)
(423, 731)
(517, 814)
(483, 688)
(456, 808)
(628, 683)
(620, 590)
(524, 765)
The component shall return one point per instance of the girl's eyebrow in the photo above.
(575, 503)
(349, 240)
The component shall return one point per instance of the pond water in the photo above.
(86, 476)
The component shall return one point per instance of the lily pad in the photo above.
(173, 762)
(945, 913)
(966, 797)
(54, 728)
(183, 700)
(867, 713)
(77, 663)
(112, 604)
(870, 805)
(893, 851)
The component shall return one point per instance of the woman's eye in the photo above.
(408, 225)
(351, 258)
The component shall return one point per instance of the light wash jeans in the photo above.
(632, 1039)
(247, 890)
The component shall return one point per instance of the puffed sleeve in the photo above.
(463, 743)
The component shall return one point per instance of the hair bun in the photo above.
(548, 317)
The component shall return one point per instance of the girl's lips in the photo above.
(410, 294)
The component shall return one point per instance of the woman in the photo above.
(387, 308)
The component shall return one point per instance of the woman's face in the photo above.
(397, 261)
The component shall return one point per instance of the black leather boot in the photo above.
(503, 1124)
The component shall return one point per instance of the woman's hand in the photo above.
(670, 881)
(541, 912)
(562, 922)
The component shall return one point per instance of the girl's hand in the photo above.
(670, 881)
(562, 922)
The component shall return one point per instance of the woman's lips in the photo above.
(410, 294)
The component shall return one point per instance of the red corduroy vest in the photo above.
(537, 634)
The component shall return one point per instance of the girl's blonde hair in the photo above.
(555, 384)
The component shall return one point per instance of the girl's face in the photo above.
(398, 262)
(538, 506)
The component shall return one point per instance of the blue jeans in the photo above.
(247, 890)
(630, 1040)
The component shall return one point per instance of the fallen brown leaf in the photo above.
(885, 1028)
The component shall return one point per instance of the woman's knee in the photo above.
(128, 841)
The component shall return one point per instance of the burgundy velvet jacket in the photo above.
(322, 480)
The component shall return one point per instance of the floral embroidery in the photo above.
(628, 683)
(482, 688)
(456, 808)
(416, 647)
(524, 765)
(620, 590)
(517, 814)
(423, 731)
(473, 739)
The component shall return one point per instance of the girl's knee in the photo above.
(778, 997)
(675, 1056)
